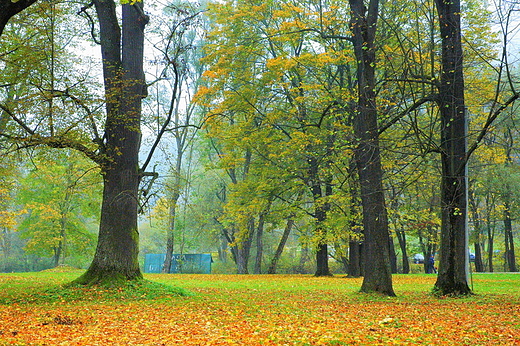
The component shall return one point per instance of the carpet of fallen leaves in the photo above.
(268, 310)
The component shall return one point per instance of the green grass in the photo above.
(55, 286)
(52, 286)
(41, 309)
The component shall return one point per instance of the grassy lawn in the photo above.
(256, 310)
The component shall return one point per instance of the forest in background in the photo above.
(252, 103)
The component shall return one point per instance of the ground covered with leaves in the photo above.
(255, 310)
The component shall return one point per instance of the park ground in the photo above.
(256, 310)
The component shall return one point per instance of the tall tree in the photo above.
(122, 53)
(182, 72)
(453, 266)
(116, 150)
(377, 273)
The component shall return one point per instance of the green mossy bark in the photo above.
(106, 278)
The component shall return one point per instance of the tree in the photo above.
(286, 78)
(453, 265)
(116, 150)
(122, 53)
(59, 194)
(181, 73)
(377, 271)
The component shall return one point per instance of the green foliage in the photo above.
(61, 194)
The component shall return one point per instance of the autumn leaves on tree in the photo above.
(315, 114)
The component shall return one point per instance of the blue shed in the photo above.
(185, 263)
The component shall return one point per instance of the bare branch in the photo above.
(487, 126)
(417, 104)
(17, 120)
(91, 21)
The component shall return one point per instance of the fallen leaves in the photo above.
(302, 311)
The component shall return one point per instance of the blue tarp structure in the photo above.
(185, 263)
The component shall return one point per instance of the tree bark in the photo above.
(243, 249)
(9, 8)
(479, 263)
(453, 266)
(477, 226)
(401, 238)
(320, 215)
(509, 241)
(393, 255)
(117, 250)
(259, 242)
(172, 214)
(281, 245)
(490, 242)
(354, 259)
(377, 269)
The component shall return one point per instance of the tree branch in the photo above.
(9, 8)
(417, 104)
(91, 21)
(486, 128)
(17, 120)
(54, 142)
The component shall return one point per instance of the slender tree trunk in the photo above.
(59, 250)
(116, 256)
(509, 241)
(170, 236)
(453, 266)
(490, 241)
(354, 259)
(479, 264)
(172, 214)
(377, 272)
(477, 227)
(281, 245)
(320, 215)
(259, 242)
(401, 237)
(230, 239)
(393, 256)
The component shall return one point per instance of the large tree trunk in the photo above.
(453, 266)
(117, 249)
(377, 271)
